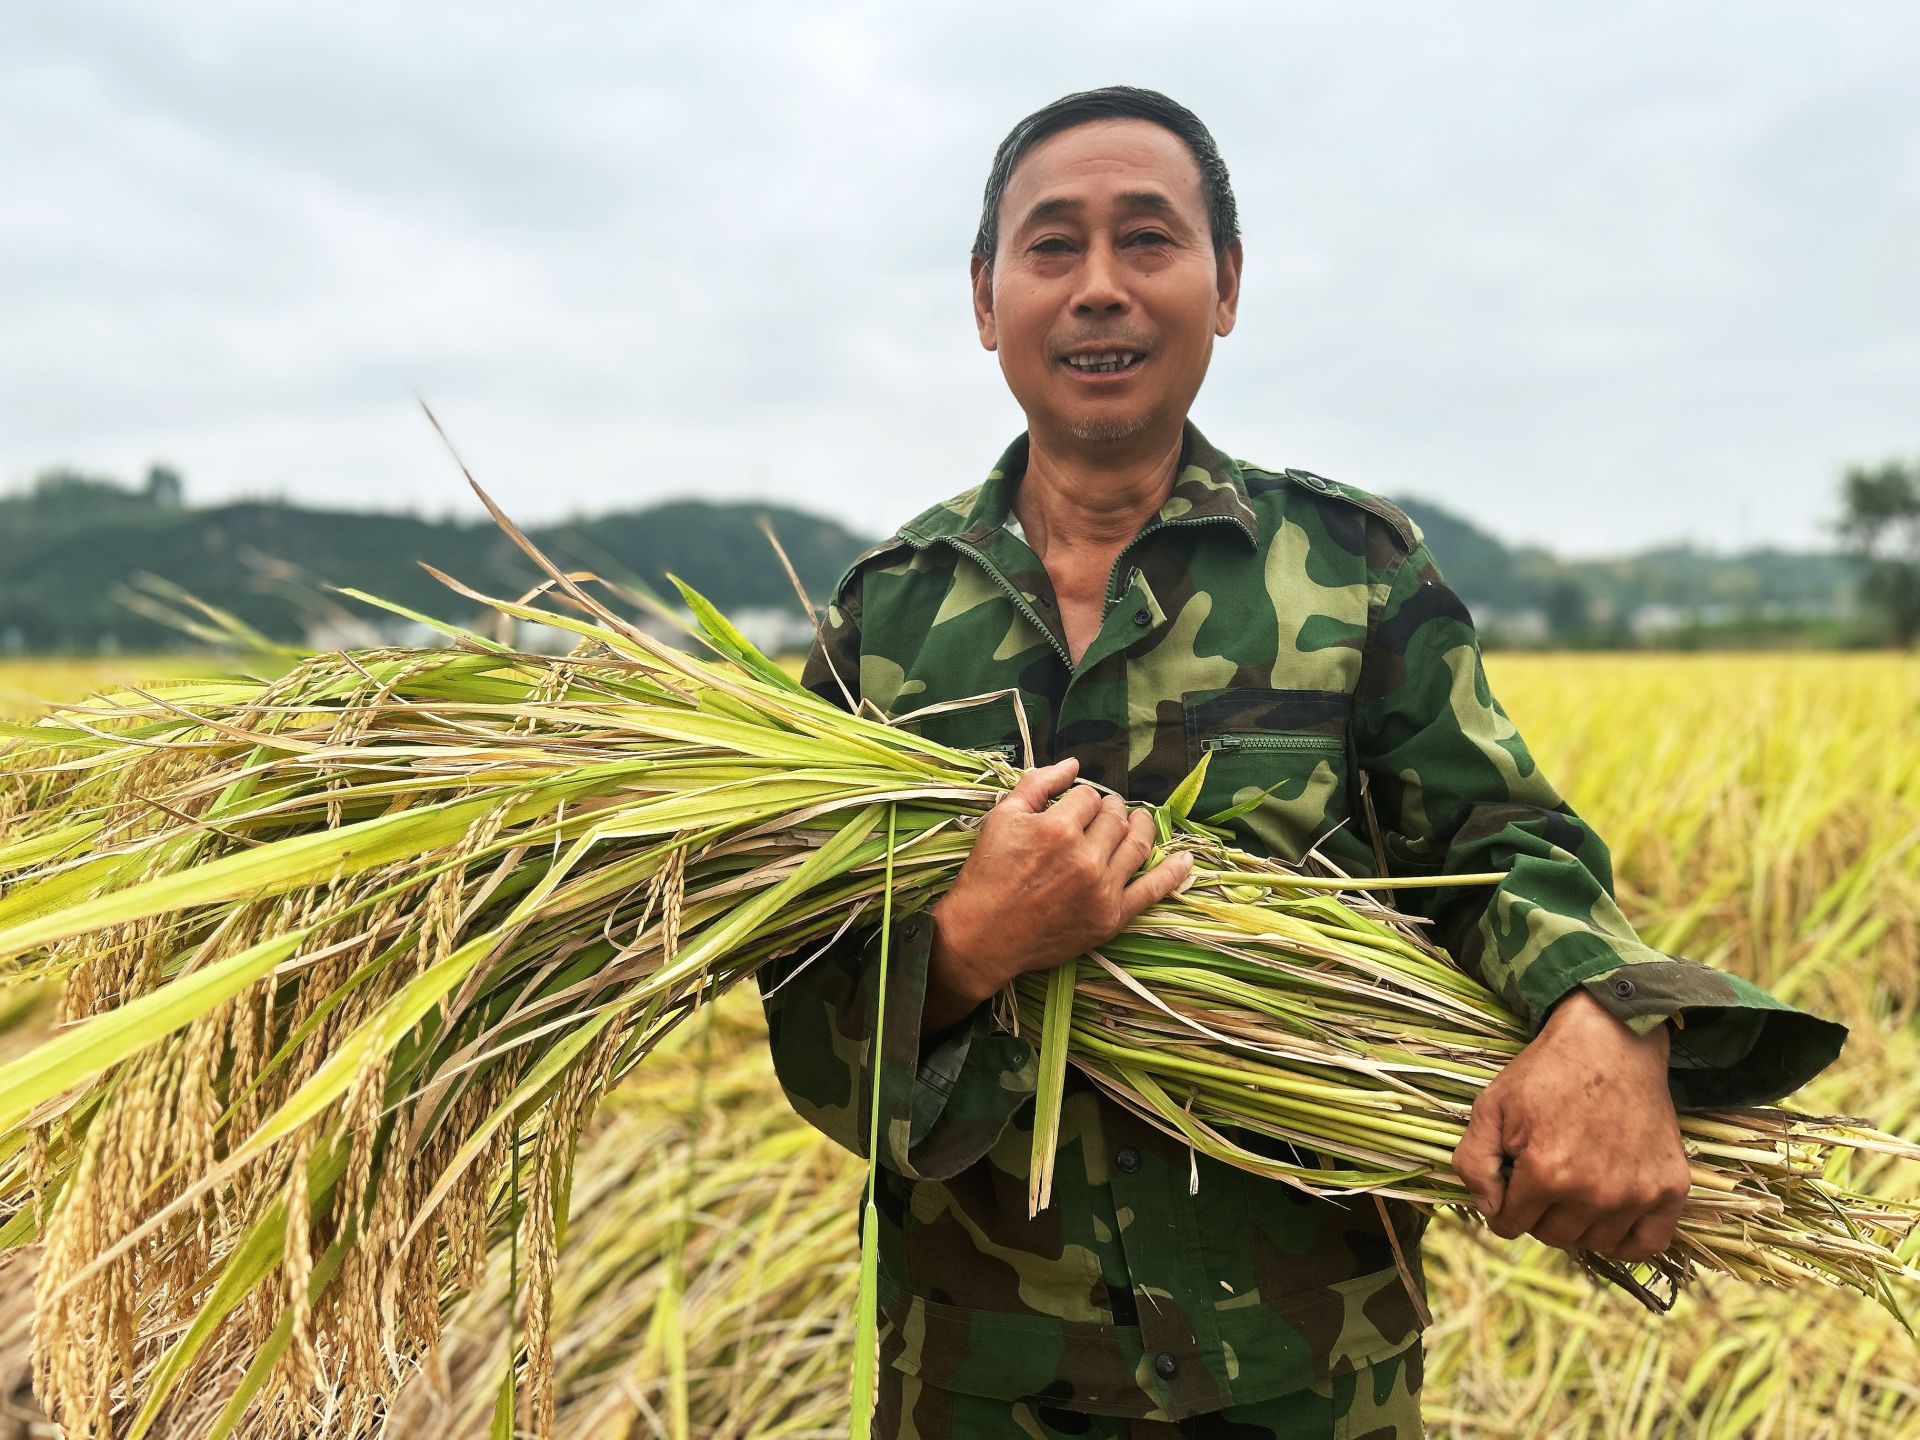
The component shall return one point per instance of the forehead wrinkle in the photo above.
(1051, 209)
(1060, 206)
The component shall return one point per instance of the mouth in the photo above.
(1104, 362)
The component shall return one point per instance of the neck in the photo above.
(1097, 501)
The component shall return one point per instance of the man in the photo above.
(1149, 600)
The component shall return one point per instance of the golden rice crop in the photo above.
(1763, 811)
(710, 1265)
(1523, 1344)
(29, 686)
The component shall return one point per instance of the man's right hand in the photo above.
(1045, 882)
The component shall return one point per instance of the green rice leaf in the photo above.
(729, 641)
(103, 1040)
(1180, 802)
(1052, 1087)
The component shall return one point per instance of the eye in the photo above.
(1148, 237)
(1052, 245)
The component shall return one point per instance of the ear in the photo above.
(982, 278)
(1228, 284)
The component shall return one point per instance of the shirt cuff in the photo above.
(942, 1106)
(1733, 1043)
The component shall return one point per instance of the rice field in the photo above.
(1764, 815)
(28, 685)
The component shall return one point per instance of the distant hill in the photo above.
(1486, 571)
(68, 542)
(1529, 595)
(66, 546)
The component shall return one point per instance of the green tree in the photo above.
(1880, 527)
(1569, 611)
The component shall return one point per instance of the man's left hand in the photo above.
(1584, 1114)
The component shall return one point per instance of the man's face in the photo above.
(1104, 251)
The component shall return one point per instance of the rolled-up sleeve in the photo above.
(1457, 792)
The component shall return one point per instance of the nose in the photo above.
(1101, 289)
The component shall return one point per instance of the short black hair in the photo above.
(1112, 102)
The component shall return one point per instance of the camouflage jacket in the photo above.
(1300, 631)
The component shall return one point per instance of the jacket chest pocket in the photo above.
(1279, 758)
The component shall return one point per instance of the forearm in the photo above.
(1578, 1011)
(955, 988)
(1552, 922)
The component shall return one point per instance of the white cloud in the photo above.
(1597, 277)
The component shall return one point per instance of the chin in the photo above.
(1107, 429)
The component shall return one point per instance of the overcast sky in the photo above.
(1598, 276)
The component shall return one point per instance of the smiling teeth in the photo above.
(1111, 360)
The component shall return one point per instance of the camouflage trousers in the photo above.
(1380, 1401)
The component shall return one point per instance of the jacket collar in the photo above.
(1207, 486)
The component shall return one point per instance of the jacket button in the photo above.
(1623, 987)
(1126, 1159)
(1141, 617)
(1165, 1366)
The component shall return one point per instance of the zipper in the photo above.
(1249, 740)
(1157, 525)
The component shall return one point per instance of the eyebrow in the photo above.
(1149, 200)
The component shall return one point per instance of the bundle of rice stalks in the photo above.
(25, 1013)
(350, 955)
(708, 1273)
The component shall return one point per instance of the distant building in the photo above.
(1658, 619)
(774, 632)
(1655, 619)
(373, 632)
(1520, 625)
(771, 631)
(164, 487)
